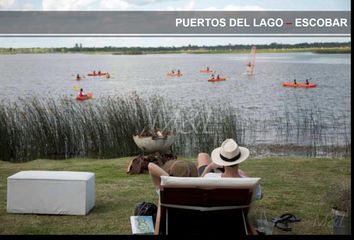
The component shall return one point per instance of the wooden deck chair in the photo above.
(200, 206)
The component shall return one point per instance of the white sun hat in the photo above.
(229, 153)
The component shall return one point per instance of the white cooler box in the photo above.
(51, 192)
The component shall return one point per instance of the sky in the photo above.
(166, 5)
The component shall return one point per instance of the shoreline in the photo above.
(326, 50)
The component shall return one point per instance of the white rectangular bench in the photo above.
(51, 192)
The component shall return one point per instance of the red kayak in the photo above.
(206, 71)
(96, 74)
(303, 85)
(82, 98)
(216, 79)
(174, 74)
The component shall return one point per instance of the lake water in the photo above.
(258, 98)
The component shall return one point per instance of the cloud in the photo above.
(67, 5)
(190, 6)
(144, 2)
(243, 8)
(27, 7)
(235, 8)
(115, 5)
(98, 5)
(6, 4)
(209, 9)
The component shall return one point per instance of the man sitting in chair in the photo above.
(225, 164)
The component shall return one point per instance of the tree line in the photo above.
(172, 49)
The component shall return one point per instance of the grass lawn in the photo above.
(295, 185)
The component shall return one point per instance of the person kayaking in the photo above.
(94, 72)
(178, 72)
(81, 94)
(99, 72)
(107, 75)
(212, 76)
(295, 81)
(173, 71)
(307, 82)
(218, 77)
(207, 69)
(78, 77)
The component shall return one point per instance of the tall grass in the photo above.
(46, 128)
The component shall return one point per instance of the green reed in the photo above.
(58, 129)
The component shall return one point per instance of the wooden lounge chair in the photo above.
(200, 206)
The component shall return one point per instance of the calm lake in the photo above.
(258, 98)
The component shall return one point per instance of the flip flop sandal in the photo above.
(285, 218)
(290, 217)
(278, 219)
(282, 226)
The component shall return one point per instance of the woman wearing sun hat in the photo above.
(226, 158)
(225, 162)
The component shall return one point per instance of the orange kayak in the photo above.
(88, 96)
(174, 74)
(303, 85)
(216, 79)
(96, 74)
(206, 71)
